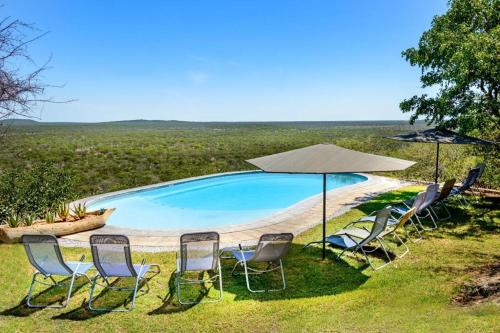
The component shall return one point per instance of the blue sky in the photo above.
(227, 60)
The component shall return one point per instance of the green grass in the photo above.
(412, 295)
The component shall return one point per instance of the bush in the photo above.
(34, 191)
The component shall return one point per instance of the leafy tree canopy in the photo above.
(460, 55)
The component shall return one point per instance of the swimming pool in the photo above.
(216, 201)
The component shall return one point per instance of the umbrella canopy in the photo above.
(439, 136)
(325, 159)
(435, 135)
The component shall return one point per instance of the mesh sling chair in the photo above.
(45, 255)
(199, 252)
(270, 249)
(112, 259)
(480, 172)
(422, 205)
(440, 201)
(459, 192)
(356, 239)
(393, 225)
(395, 219)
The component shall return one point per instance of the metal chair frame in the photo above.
(272, 265)
(180, 280)
(46, 275)
(139, 276)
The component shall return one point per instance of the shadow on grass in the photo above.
(170, 304)
(474, 220)
(481, 217)
(50, 296)
(306, 276)
(107, 298)
(380, 201)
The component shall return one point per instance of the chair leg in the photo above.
(407, 249)
(431, 212)
(92, 289)
(311, 243)
(282, 275)
(447, 211)
(179, 286)
(443, 206)
(220, 281)
(420, 223)
(370, 262)
(247, 276)
(65, 301)
(134, 295)
(419, 238)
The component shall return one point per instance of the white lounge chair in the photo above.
(270, 249)
(45, 255)
(199, 252)
(422, 205)
(356, 239)
(443, 196)
(393, 225)
(112, 259)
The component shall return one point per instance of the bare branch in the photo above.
(21, 90)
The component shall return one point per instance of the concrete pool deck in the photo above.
(296, 219)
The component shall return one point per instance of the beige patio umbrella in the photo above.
(327, 159)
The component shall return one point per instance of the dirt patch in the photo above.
(483, 287)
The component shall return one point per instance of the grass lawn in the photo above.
(414, 294)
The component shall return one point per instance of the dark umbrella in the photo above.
(438, 136)
(326, 159)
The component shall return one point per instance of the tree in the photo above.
(35, 190)
(20, 88)
(460, 55)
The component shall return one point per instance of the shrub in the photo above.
(35, 190)
(80, 211)
(13, 220)
(63, 211)
(50, 217)
(29, 219)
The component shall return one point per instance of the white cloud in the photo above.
(197, 77)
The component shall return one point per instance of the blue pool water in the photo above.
(217, 201)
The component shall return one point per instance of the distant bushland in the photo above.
(116, 155)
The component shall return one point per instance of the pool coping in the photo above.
(297, 218)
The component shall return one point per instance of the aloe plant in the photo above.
(13, 220)
(63, 211)
(50, 217)
(29, 219)
(80, 210)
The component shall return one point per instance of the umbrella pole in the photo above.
(324, 215)
(437, 164)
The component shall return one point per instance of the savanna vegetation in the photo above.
(106, 157)
(415, 294)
